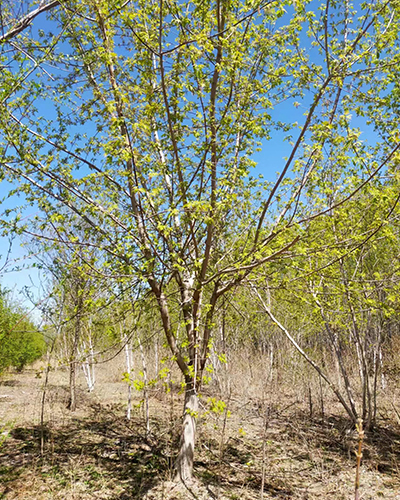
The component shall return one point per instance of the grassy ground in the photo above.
(271, 435)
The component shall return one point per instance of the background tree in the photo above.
(21, 342)
(340, 298)
(76, 295)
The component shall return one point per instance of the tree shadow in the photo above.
(103, 448)
(336, 433)
(102, 445)
(10, 383)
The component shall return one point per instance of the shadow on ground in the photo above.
(100, 449)
(108, 457)
(336, 434)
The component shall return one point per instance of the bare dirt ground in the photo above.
(279, 440)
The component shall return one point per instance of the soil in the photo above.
(279, 446)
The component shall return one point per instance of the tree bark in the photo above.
(184, 464)
(72, 374)
(72, 386)
(74, 355)
(129, 363)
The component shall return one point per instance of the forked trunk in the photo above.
(184, 464)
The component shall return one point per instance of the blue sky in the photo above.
(18, 272)
(26, 276)
(270, 161)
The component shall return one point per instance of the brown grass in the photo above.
(95, 453)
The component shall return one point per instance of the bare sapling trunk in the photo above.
(128, 361)
(72, 372)
(360, 431)
(146, 386)
(88, 365)
(184, 463)
(72, 385)
(47, 372)
(86, 370)
(156, 360)
(383, 379)
(271, 361)
(74, 355)
(126, 340)
(90, 362)
(92, 365)
(45, 385)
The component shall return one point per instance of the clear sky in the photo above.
(270, 161)
(17, 273)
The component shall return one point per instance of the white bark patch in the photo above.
(186, 452)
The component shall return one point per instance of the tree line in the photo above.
(21, 341)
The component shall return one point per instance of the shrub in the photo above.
(21, 342)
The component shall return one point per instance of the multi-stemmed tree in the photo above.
(142, 119)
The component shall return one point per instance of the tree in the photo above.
(143, 120)
(77, 292)
(342, 296)
(21, 342)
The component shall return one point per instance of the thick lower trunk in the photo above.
(184, 464)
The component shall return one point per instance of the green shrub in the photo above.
(21, 342)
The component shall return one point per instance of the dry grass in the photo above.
(95, 453)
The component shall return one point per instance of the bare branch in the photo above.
(23, 23)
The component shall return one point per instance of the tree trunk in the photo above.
(72, 386)
(74, 355)
(72, 372)
(146, 386)
(184, 464)
(128, 360)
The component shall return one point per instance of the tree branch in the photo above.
(27, 20)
